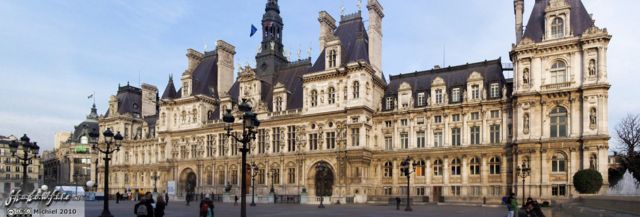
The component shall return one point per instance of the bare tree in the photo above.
(628, 133)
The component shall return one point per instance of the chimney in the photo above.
(225, 52)
(375, 35)
(149, 99)
(518, 9)
(327, 26)
(193, 57)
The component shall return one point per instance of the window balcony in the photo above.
(557, 86)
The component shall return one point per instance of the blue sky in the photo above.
(53, 54)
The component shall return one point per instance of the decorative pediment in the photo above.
(246, 73)
(475, 76)
(438, 81)
(404, 86)
(556, 4)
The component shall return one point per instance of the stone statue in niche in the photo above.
(504, 92)
(525, 76)
(592, 67)
(592, 118)
(464, 95)
(526, 123)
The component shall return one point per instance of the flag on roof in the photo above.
(253, 30)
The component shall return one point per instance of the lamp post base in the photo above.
(106, 213)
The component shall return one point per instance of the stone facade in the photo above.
(467, 127)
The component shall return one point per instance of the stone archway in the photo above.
(321, 179)
(187, 183)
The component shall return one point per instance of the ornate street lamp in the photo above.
(29, 152)
(249, 123)
(109, 139)
(322, 170)
(155, 178)
(523, 172)
(254, 173)
(274, 174)
(406, 168)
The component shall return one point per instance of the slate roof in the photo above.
(129, 100)
(580, 19)
(205, 77)
(87, 126)
(170, 90)
(354, 42)
(453, 76)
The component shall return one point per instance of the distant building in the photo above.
(11, 169)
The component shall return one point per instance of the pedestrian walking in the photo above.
(160, 205)
(397, 203)
(235, 203)
(206, 207)
(144, 208)
(166, 197)
(118, 197)
(188, 198)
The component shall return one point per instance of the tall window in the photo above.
(438, 96)
(292, 176)
(558, 72)
(475, 91)
(455, 136)
(437, 139)
(313, 141)
(278, 104)
(494, 131)
(355, 136)
(437, 167)
(261, 176)
(276, 140)
(495, 90)
(388, 143)
(332, 58)
(209, 145)
(331, 98)
(494, 165)
(475, 135)
(331, 140)
(314, 98)
(455, 167)
(420, 168)
(404, 140)
(455, 95)
(558, 122)
(557, 27)
(291, 138)
(388, 169)
(421, 140)
(356, 89)
(474, 166)
(420, 99)
(389, 103)
(262, 141)
(558, 163)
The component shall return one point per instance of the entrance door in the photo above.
(437, 194)
(324, 179)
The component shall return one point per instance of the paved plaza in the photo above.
(125, 208)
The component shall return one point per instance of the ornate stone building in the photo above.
(467, 127)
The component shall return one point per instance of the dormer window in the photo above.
(278, 104)
(185, 89)
(557, 27)
(495, 90)
(455, 95)
(420, 99)
(438, 96)
(475, 91)
(331, 97)
(356, 89)
(389, 103)
(314, 98)
(332, 58)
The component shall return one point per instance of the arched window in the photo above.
(437, 167)
(314, 98)
(388, 169)
(455, 167)
(331, 98)
(474, 166)
(356, 89)
(558, 163)
(278, 104)
(332, 58)
(558, 122)
(494, 165)
(420, 168)
(557, 27)
(593, 162)
(558, 72)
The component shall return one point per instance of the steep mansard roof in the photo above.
(205, 77)
(129, 100)
(453, 76)
(170, 90)
(354, 42)
(580, 19)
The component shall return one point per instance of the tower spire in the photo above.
(271, 52)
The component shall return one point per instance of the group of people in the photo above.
(147, 207)
(531, 207)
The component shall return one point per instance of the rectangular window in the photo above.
(475, 115)
(455, 136)
(438, 96)
(455, 95)
(313, 141)
(420, 121)
(291, 138)
(558, 190)
(475, 135)
(404, 122)
(437, 139)
(455, 190)
(476, 191)
(276, 179)
(404, 140)
(388, 190)
(261, 176)
(421, 140)
(388, 143)
(420, 99)
(495, 113)
(331, 140)
(455, 117)
(389, 103)
(475, 92)
(262, 141)
(495, 190)
(292, 176)
(387, 124)
(355, 136)
(437, 119)
(495, 133)
(276, 140)
(420, 191)
(234, 177)
(495, 90)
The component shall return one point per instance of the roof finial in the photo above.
(309, 51)
(359, 4)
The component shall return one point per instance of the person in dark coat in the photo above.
(144, 207)
(118, 197)
(160, 205)
(397, 203)
(166, 198)
(206, 207)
